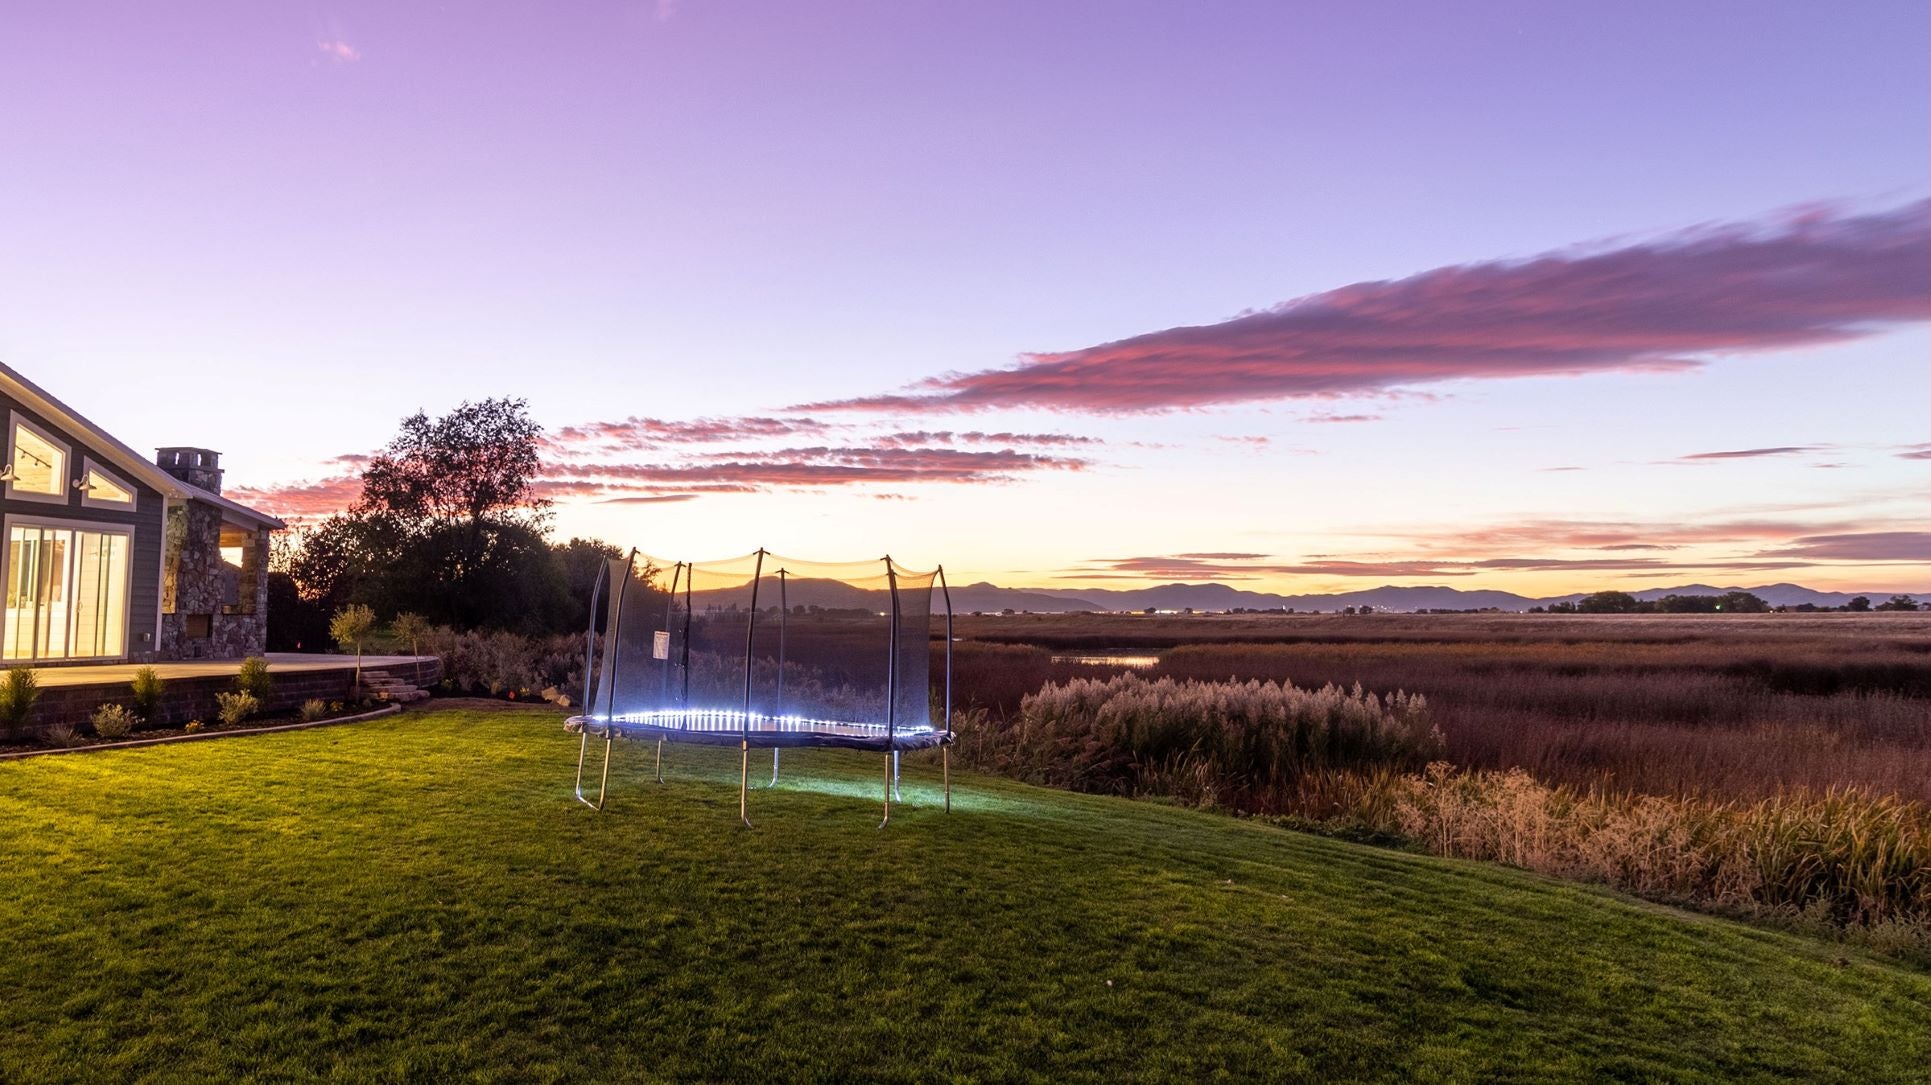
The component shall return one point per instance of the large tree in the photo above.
(449, 525)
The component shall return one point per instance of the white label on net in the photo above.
(660, 644)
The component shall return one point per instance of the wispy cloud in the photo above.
(303, 500)
(1750, 453)
(340, 52)
(1873, 546)
(1666, 304)
(1182, 567)
(638, 434)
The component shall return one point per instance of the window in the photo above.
(100, 490)
(38, 462)
(66, 592)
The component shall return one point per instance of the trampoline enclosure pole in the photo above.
(891, 687)
(670, 615)
(945, 745)
(784, 616)
(590, 639)
(617, 616)
(744, 745)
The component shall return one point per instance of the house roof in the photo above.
(120, 455)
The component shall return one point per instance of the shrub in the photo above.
(1242, 745)
(17, 698)
(194, 727)
(314, 709)
(498, 664)
(254, 679)
(236, 707)
(62, 734)
(148, 689)
(111, 721)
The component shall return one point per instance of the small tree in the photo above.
(17, 697)
(148, 689)
(1899, 602)
(411, 627)
(1860, 603)
(350, 627)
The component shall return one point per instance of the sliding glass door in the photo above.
(66, 593)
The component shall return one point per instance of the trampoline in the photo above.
(766, 652)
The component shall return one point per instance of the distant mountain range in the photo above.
(1216, 597)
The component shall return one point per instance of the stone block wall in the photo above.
(208, 612)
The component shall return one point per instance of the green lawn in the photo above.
(421, 898)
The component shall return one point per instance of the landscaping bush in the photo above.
(148, 688)
(314, 709)
(1245, 746)
(236, 707)
(111, 721)
(17, 697)
(62, 734)
(254, 679)
(500, 664)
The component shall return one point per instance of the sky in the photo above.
(1301, 297)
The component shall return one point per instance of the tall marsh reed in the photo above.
(1242, 745)
(1844, 857)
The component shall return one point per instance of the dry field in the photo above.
(1723, 706)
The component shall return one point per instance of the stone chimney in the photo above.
(194, 466)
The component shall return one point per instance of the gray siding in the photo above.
(144, 587)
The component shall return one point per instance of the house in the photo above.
(113, 557)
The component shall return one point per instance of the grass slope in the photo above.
(421, 898)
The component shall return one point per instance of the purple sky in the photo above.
(1532, 296)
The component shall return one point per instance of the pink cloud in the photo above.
(339, 51)
(646, 433)
(1667, 304)
(976, 437)
(301, 500)
(745, 471)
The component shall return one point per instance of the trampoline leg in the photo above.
(888, 791)
(583, 751)
(774, 766)
(945, 766)
(895, 791)
(744, 782)
(660, 760)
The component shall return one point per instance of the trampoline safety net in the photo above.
(769, 651)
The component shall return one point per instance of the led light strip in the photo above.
(724, 719)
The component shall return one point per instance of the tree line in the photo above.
(1732, 602)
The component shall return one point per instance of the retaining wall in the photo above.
(194, 698)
